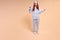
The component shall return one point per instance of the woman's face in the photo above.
(35, 2)
(35, 5)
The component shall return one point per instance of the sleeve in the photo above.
(30, 10)
(42, 10)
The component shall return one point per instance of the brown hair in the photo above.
(35, 6)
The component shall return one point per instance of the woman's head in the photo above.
(35, 5)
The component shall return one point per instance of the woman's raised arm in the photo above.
(30, 10)
(40, 11)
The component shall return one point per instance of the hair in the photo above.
(35, 6)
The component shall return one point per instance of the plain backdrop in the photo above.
(16, 21)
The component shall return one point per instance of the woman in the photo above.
(35, 14)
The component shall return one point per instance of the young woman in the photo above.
(35, 14)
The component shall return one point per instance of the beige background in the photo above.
(16, 22)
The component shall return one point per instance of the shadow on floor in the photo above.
(28, 22)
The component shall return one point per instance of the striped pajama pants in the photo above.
(35, 25)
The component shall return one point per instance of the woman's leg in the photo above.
(35, 25)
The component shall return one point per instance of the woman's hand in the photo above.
(30, 9)
(44, 9)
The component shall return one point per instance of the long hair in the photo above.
(37, 6)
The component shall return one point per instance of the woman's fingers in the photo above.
(44, 9)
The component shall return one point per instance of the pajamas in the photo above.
(35, 25)
(35, 15)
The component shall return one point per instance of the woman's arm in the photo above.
(40, 11)
(30, 9)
